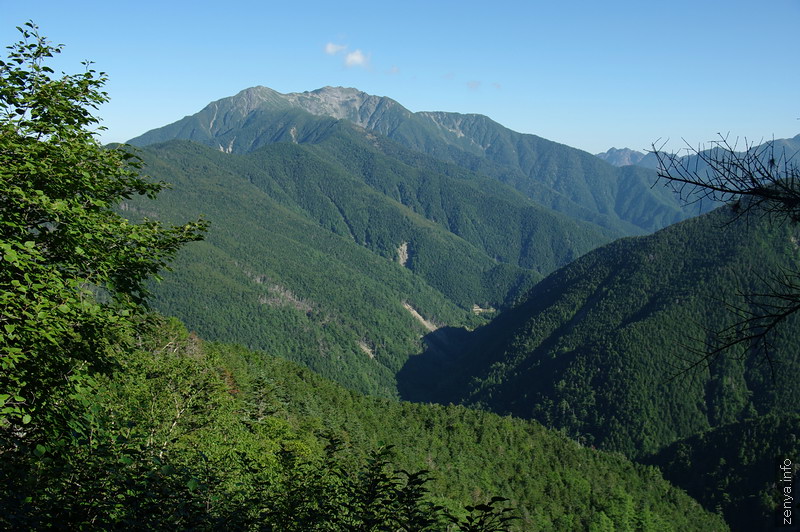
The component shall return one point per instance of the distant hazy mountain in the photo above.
(620, 200)
(626, 156)
(598, 347)
(791, 145)
(623, 157)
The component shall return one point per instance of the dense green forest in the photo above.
(578, 184)
(604, 348)
(272, 266)
(325, 260)
(313, 236)
(193, 435)
(733, 469)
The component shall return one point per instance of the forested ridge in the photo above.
(325, 260)
(567, 180)
(605, 348)
(193, 435)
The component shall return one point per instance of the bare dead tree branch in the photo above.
(756, 180)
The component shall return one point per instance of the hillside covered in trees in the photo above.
(325, 255)
(611, 348)
(187, 434)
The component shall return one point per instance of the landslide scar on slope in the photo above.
(402, 254)
(425, 323)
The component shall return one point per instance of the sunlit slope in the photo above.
(576, 183)
(504, 223)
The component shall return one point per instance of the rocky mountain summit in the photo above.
(621, 157)
(619, 201)
(362, 109)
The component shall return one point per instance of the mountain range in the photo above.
(627, 157)
(472, 241)
(355, 240)
(564, 179)
(440, 257)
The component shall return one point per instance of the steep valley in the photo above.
(389, 238)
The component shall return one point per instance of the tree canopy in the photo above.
(72, 270)
(107, 423)
(759, 180)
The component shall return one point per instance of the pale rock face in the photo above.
(342, 103)
(623, 157)
(441, 120)
(366, 349)
(430, 327)
(402, 254)
(460, 126)
(337, 102)
(354, 105)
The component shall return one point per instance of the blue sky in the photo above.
(584, 73)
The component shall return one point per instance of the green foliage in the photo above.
(732, 469)
(488, 517)
(333, 495)
(137, 467)
(207, 436)
(72, 271)
(618, 201)
(602, 348)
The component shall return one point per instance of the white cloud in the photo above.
(497, 86)
(473, 85)
(333, 48)
(356, 58)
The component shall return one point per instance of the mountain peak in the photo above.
(337, 92)
(243, 103)
(621, 157)
(345, 103)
